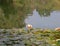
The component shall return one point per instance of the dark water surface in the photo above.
(50, 22)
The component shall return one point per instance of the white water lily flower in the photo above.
(58, 28)
(58, 40)
(29, 26)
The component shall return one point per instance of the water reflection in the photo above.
(44, 12)
(50, 22)
(14, 12)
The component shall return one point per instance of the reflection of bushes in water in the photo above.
(11, 18)
(44, 12)
(11, 24)
(7, 7)
(17, 10)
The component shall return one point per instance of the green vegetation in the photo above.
(36, 37)
(13, 12)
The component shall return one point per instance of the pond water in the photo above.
(49, 22)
